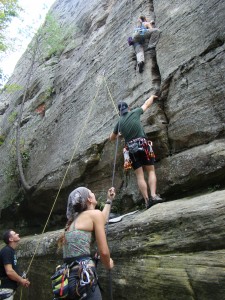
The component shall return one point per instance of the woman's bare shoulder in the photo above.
(95, 213)
(92, 212)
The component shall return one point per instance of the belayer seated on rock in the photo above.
(144, 30)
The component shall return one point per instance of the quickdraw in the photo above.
(127, 161)
(148, 149)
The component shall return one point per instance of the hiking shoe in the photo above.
(157, 199)
(141, 66)
(151, 203)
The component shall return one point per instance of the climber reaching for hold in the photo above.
(140, 149)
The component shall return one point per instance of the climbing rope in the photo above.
(113, 179)
(29, 74)
(117, 140)
(64, 177)
(110, 94)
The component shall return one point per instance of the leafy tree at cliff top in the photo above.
(8, 10)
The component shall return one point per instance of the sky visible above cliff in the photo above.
(22, 29)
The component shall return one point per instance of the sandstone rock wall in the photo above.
(186, 124)
(174, 250)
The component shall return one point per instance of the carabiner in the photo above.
(82, 281)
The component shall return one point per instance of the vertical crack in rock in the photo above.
(155, 72)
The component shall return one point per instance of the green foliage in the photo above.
(8, 10)
(52, 37)
(12, 117)
(11, 88)
(3, 46)
(2, 139)
(11, 170)
(25, 157)
(48, 93)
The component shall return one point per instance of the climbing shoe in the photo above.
(153, 201)
(149, 204)
(141, 66)
(157, 199)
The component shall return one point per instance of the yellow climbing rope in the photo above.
(110, 94)
(70, 162)
(64, 177)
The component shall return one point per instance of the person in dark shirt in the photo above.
(9, 274)
(140, 149)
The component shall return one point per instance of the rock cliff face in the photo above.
(68, 114)
(69, 108)
(70, 136)
(174, 250)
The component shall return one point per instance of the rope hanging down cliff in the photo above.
(24, 183)
(63, 180)
(113, 179)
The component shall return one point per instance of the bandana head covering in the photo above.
(77, 202)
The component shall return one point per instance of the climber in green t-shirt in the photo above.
(140, 149)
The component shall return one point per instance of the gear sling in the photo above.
(135, 145)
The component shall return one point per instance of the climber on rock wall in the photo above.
(144, 30)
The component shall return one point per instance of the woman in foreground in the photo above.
(84, 221)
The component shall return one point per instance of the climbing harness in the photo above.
(141, 144)
(141, 32)
(74, 279)
(60, 281)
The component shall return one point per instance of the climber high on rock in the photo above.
(145, 30)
